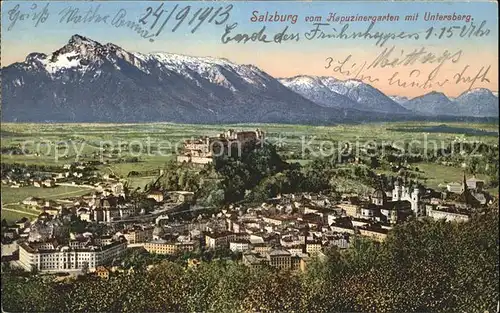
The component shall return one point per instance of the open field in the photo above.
(147, 163)
(14, 195)
(155, 144)
(434, 175)
(440, 174)
(140, 182)
(12, 210)
(12, 217)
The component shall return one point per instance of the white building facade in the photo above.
(45, 257)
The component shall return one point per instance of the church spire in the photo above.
(465, 183)
(466, 196)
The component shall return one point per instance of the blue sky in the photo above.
(52, 30)
(279, 59)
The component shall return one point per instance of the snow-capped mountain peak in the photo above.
(352, 83)
(478, 102)
(315, 89)
(351, 93)
(301, 80)
(78, 40)
(476, 91)
(82, 53)
(399, 99)
(84, 47)
(433, 102)
(85, 80)
(62, 61)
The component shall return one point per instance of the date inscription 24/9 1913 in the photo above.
(196, 16)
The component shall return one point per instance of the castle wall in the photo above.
(197, 160)
(202, 151)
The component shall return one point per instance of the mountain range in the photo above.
(479, 102)
(354, 94)
(86, 81)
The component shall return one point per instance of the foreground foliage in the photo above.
(424, 266)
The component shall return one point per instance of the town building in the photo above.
(374, 232)
(156, 195)
(103, 240)
(254, 260)
(239, 245)
(448, 213)
(51, 256)
(475, 184)
(458, 207)
(281, 259)
(296, 250)
(138, 234)
(181, 196)
(219, 239)
(161, 246)
(102, 272)
(313, 247)
(278, 258)
(454, 187)
(261, 248)
(49, 183)
(33, 201)
(193, 263)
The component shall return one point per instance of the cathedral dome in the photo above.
(379, 197)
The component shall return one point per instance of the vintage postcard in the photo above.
(249, 156)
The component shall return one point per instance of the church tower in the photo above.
(415, 200)
(464, 184)
(396, 192)
(466, 198)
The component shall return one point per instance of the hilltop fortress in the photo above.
(204, 149)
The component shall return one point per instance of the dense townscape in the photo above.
(249, 213)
